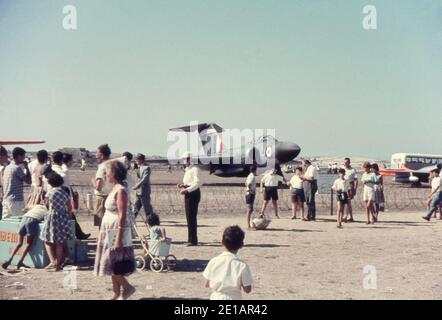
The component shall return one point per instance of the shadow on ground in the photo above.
(186, 265)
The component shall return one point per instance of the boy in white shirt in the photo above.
(226, 274)
(296, 184)
(341, 186)
(434, 199)
(369, 180)
(269, 186)
(250, 195)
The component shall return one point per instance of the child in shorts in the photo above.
(297, 191)
(226, 274)
(341, 186)
(28, 230)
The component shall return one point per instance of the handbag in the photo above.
(342, 196)
(124, 266)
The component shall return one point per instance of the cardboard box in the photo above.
(37, 257)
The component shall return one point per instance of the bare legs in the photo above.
(249, 218)
(59, 255)
(116, 287)
(50, 249)
(275, 207)
(340, 213)
(295, 207)
(376, 211)
(370, 212)
(121, 286)
(56, 253)
(30, 242)
(348, 212)
(264, 206)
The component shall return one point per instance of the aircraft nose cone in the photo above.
(286, 151)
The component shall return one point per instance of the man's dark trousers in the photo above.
(191, 203)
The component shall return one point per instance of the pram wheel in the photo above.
(170, 262)
(140, 263)
(156, 265)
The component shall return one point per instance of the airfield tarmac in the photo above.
(290, 260)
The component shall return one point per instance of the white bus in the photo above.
(414, 161)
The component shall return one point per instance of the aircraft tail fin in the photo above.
(199, 127)
(209, 135)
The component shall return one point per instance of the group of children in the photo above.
(345, 187)
(373, 193)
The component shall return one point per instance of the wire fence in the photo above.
(231, 199)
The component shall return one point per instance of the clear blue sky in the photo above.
(306, 68)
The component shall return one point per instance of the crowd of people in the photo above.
(120, 198)
(304, 187)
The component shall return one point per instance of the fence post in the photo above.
(331, 202)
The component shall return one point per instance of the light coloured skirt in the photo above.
(35, 197)
(105, 258)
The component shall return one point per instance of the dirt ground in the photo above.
(291, 260)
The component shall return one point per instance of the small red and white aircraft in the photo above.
(18, 142)
(412, 168)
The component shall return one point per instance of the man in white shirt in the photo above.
(352, 178)
(14, 176)
(435, 197)
(310, 188)
(190, 189)
(269, 186)
(36, 195)
(226, 274)
(250, 195)
(101, 185)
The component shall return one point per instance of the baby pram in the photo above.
(156, 253)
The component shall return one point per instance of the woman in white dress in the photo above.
(116, 258)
